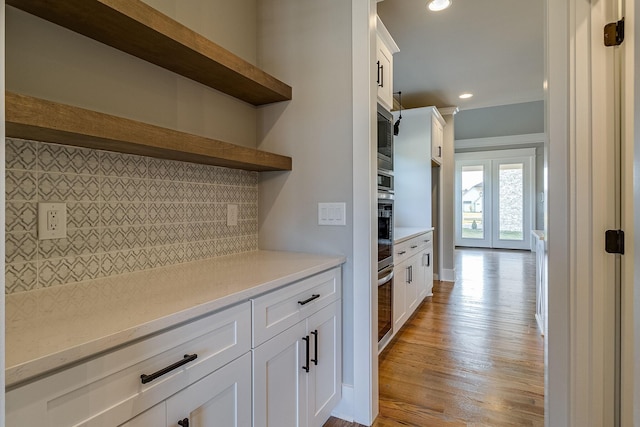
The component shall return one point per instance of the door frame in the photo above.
(580, 129)
(490, 202)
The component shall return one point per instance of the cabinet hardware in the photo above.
(378, 82)
(315, 347)
(148, 378)
(402, 252)
(428, 260)
(184, 423)
(381, 75)
(308, 300)
(306, 366)
(414, 246)
(439, 151)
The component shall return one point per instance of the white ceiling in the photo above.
(491, 48)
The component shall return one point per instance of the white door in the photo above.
(221, 399)
(495, 199)
(280, 379)
(325, 375)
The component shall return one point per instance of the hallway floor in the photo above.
(471, 355)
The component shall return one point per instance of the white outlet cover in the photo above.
(44, 233)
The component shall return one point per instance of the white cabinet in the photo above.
(156, 416)
(297, 372)
(221, 399)
(437, 136)
(420, 137)
(109, 390)
(385, 49)
(413, 276)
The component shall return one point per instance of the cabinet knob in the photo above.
(184, 423)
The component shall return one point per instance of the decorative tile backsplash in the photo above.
(124, 213)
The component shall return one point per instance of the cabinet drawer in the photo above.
(408, 248)
(107, 390)
(279, 310)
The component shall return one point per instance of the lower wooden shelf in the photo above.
(41, 120)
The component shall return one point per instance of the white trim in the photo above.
(448, 275)
(386, 38)
(497, 154)
(365, 301)
(499, 141)
(449, 111)
(345, 408)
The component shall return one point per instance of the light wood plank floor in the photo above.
(471, 355)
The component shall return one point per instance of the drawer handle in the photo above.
(184, 423)
(315, 347)
(402, 252)
(308, 300)
(414, 246)
(306, 366)
(148, 378)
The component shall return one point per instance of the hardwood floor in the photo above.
(471, 355)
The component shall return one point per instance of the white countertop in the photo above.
(49, 328)
(400, 234)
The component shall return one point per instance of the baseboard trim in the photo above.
(345, 410)
(448, 275)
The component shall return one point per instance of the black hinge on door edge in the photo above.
(614, 241)
(614, 33)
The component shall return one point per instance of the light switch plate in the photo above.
(52, 221)
(332, 214)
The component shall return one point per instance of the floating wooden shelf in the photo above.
(140, 30)
(41, 120)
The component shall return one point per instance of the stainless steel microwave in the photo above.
(385, 139)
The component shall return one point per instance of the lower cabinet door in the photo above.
(280, 370)
(325, 376)
(155, 416)
(400, 279)
(221, 399)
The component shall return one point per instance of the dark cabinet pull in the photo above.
(402, 252)
(381, 75)
(306, 366)
(308, 300)
(439, 151)
(414, 246)
(378, 73)
(428, 260)
(148, 378)
(184, 423)
(315, 347)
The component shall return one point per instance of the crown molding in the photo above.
(500, 141)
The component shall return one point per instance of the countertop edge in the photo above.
(36, 368)
(407, 233)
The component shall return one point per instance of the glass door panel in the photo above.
(511, 201)
(472, 197)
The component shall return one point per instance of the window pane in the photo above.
(511, 201)
(472, 202)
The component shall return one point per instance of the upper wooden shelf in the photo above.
(37, 119)
(140, 30)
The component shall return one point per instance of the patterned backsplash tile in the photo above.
(125, 213)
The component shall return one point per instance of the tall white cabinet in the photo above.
(421, 136)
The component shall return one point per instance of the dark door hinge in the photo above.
(614, 241)
(614, 33)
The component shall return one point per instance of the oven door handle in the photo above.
(385, 279)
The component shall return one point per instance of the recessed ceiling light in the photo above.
(466, 95)
(438, 5)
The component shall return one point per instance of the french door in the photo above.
(495, 198)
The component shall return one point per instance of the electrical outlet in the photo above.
(232, 215)
(52, 221)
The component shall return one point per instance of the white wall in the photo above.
(307, 44)
(502, 120)
(324, 50)
(50, 62)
